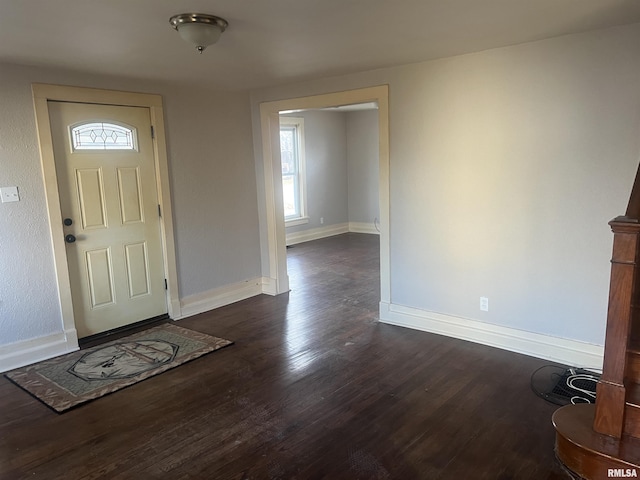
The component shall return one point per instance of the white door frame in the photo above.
(42, 93)
(277, 280)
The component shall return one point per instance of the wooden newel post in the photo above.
(610, 391)
(594, 440)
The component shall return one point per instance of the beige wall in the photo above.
(213, 188)
(505, 167)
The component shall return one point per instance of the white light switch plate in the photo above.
(9, 194)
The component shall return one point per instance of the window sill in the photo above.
(296, 221)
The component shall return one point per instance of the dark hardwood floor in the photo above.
(313, 388)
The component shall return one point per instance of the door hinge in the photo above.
(159, 211)
(165, 284)
(153, 133)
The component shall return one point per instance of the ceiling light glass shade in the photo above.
(199, 29)
(201, 35)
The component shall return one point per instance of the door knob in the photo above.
(70, 238)
(68, 222)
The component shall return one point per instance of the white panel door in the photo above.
(107, 186)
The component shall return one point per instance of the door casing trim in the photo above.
(43, 93)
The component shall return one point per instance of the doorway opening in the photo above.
(277, 280)
(330, 171)
(330, 163)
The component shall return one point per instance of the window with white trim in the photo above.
(293, 171)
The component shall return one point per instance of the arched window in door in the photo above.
(103, 135)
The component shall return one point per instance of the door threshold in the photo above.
(116, 333)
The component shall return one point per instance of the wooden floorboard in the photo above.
(313, 388)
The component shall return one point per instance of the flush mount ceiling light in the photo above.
(199, 28)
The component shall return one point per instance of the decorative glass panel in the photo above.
(103, 136)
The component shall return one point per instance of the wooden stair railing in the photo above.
(596, 442)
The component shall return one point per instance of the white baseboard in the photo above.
(269, 286)
(561, 350)
(317, 233)
(19, 354)
(360, 227)
(219, 297)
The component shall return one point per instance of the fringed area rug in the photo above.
(70, 380)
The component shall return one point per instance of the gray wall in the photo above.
(341, 151)
(363, 166)
(326, 166)
(213, 188)
(505, 167)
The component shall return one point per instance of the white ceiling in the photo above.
(271, 42)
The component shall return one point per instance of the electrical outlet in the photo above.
(9, 194)
(484, 304)
(321, 220)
